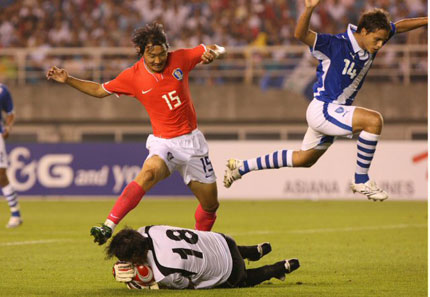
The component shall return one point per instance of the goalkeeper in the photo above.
(189, 259)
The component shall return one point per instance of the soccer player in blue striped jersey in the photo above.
(6, 105)
(344, 60)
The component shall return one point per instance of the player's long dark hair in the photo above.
(373, 20)
(149, 34)
(128, 245)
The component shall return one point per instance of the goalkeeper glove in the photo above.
(124, 271)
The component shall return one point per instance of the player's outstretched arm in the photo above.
(406, 25)
(212, 52)
(302, 31)
(85, 86)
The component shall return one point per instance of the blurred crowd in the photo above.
(40, 25)
(88, 23)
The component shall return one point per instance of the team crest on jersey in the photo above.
(339, 110)
(178, 74)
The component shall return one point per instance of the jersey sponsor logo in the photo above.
(339, 109)
(144, 92)
(178, 74)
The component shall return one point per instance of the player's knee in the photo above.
(375, 121)
(149, 176)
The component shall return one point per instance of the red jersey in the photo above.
(165, 95)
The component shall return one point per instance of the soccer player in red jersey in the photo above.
(159, 80)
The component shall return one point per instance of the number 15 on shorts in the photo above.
(207, 166)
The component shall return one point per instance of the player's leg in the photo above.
(254, 252)
(12, 199)
(8, 191)
(205, 214)
(278, 270)
(154, 170)
(368, 124)
(306, 157)
(197, 171)
(315, 143)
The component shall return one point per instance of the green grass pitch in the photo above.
(346, 248)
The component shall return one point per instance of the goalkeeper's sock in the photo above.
(366, 146)
(275, 160)
(12, 200)
(204, 220)
(128, 200)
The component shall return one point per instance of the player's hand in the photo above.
(212, 53)
(57, 74)
(6, 132)
(124, 271)
(311, 3)
(209, 56)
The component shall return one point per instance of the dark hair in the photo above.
(373, 20)
(128, 245)
(150, 34)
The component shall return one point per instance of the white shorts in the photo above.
(188, 154)
(326, 121)
(3, 154)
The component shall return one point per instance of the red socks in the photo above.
(131, 197)
(204, 220)
(128, 200)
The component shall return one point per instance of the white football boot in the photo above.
(370, 190)
(14, 222)
(232, 172)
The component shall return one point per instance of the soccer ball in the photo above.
(144, 279)
(144, 275)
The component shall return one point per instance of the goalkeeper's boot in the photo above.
(262, 250)
(101, 234)
(14, 221)
(288, 266)
(370, 190)
(232, 172)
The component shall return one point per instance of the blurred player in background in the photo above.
(160, 82)
(12, 198)
(183, 258)
(344, 61)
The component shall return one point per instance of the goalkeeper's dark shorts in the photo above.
(238, 272)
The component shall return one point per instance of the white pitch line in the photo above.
(33, 242)
(349, 229)
(325, 230)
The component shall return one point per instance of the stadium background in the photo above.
(251, 102)
(258, 92)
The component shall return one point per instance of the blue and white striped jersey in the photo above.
(343, 66)
(6, 103)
